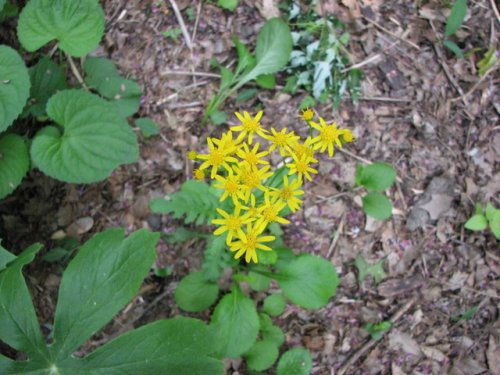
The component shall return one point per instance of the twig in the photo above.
(366, 348)
(476, 85)
(176, 94)
(336, 237)
(384, 99)
(76, 72)
(392, 34)
(186, 73)
(197, 20)
(185, 33)
(495, 10)
(185, 105)
(369, 60)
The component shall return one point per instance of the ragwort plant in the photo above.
(247, 201)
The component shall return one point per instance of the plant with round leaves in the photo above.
(101, 279)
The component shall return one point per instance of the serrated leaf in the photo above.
(194, 293)
(14, 86)
(179, 346)
(376, 177)
(295, 361)
(14, 163)
(456, 17)
(453, 47)
(274, 305)
(274, 45)
(375, 270)
(148, 127)
(93, 139)
(99, 70)
(377, 205)
(246, 60)
(76, 25)
(105, 274)
(308, 281)
(476, 223)
(236, 324)
(18, 320)
(261, 355)
(46, 79)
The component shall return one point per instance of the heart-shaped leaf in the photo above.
(76, 25)
(376, 177)
(377, 205)
(274, 304)
(93, 141)
(261, 355)
(194, 293)
(148, 127)
(99, 70)
(123, 93)
(99, 281)
(296, 361)
(14, 86)
(236, 324)
(46, 79)
(14, 163)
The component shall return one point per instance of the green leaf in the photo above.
(18, 320)
(258, 282)
(274, 305)
(9, 10)
(2, 4)
(46, 79)
(93, 139)
(489, 60)
(495, 224)
(124, 94)
(295, 361)
(307, 102)
(148, 127)
(490, 211)
(14, 163)
(377, 205)
(5, 257)
(274, 45)
(228, 4)
(179, 346)
(56, 254)
(270, 332)
(218, 117)
(308, 281)
(246, 95)
(246, 60)
(375, 270)
(104, 276)
(194, 293)
(468, 314)
(266, 81)
(227, 77)
(236, 324)
(477, 222)
(377, 330)
(216, 258)
(261, 355)
(76, 25)
(99, 70)
(376, 177)
(452, 46)
(14, 86)
(456, 17)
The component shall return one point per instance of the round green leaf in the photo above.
(92, 139)
(77, 25)
(376, 176)
(236, 324)
(14, 163)
(377, 205)
(308, 281)
(269, 331)
(274, 305)
(296, 361)
(477, 222)
(194, 293)
(258, 282)
(14, 86)
(261, 355)
(98, 70)
(46, 79)
(148, 127)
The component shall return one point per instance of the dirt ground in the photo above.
(423, 110)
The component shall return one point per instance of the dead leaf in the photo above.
(80, 226)
(493, 355)
(457, 281)
(354, 7)
(269, 9)
(403, 341)
(467, 366)
(439, 204)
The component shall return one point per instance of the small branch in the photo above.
(336, 237)
(185, 33)
(384, 99)
(367, 61)
(392, 34)
(197, 20)
(186, 73)
(495, 10)
(476, 85)
(75, 71)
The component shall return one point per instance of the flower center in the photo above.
(301, 166)
(231, 186)
(251, 241)
(328, 134)
(251, 158)
(233, 223)
(270, 214)
(280, 139)
(251, 179)
(216, 158)
(286, 193)
(251, 125)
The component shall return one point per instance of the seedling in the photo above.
(482, 219)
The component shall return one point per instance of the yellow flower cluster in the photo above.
(237, 163)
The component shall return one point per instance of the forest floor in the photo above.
(423, 110)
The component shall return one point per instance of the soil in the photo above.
(422, 110)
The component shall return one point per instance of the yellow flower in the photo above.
(346, 136)
(192, 155)
(226, 141)
(252, 177)
(250, 242)
(328, 136)
(282, 140)
(199, 174)
(307, 114)
(301, 149)
(216, 157)
(289, 193)
(231, 224)
(270, 212)
(301, 167)
(232, 187)
(253, 209)
(252, 157)
(250, 125)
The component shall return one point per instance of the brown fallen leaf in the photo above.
(80, 226)
(394, 287)
(493, 355)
